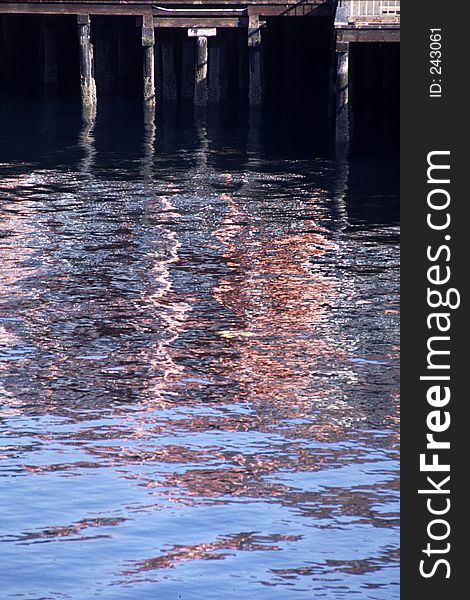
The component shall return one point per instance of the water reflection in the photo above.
(198, 361)
(86, 142)
(276, 300)
(148, 147)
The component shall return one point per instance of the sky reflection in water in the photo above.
(198, 366)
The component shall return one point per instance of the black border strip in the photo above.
(434, 122)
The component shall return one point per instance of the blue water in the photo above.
(198, 362)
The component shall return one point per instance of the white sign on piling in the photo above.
(202, 31)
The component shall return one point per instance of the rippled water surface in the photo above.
(198, 363)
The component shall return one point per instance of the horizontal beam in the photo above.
(285, 10)
(143, 7)
(74, 8)
(390, 19)
(203, 22)
(164, 3)
(368, 35)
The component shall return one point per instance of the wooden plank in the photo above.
(286, 9)
(368, 35)
(188, 22)
(382, 20)
(202, 31)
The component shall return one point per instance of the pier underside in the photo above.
(289, 56)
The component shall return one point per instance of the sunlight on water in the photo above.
(198, 365)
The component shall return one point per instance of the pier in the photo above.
(199, 299)
(207, 53)
(361, 21)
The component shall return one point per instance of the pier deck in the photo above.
(368, 21)
(172, 10)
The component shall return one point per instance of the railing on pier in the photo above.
(378, 11)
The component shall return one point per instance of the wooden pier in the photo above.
(203, 61)
(359, 21)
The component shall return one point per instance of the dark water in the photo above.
(198, 362)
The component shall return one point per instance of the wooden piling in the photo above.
(254, 59)
(8, 50)
(148, 43)
(122, 67)
(342, 94)
(49, 54)
(388, 98)
(2, 53)
(87, 76)
(351, 93)
(288, 44)
(332, 86)
(168, 70)
(187, 69)
(106, 55)
(223, 69)
(242, 68)
(5, 53)
(200, 80)
(214, 70)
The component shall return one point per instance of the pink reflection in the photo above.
(279, 300)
